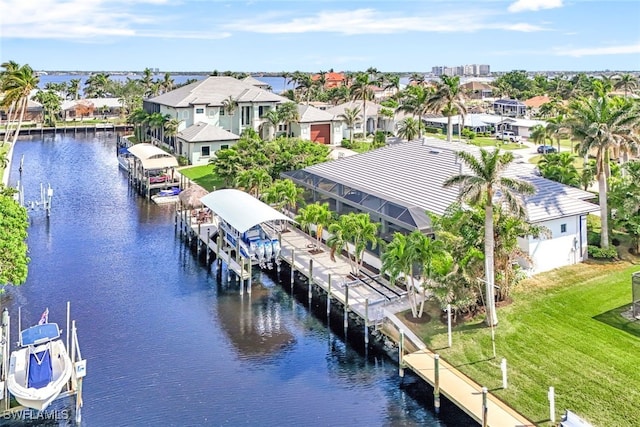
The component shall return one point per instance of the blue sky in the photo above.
(203, 35)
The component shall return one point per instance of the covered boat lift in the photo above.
(152, 168)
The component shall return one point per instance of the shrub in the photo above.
(380, 139)
(346, 143)
(615, 241)
(600, 253)
(183, 161)
(593, 238)
(467, 133)
(431, 129)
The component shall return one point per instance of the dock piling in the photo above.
(366, 321)
(401, 355)
(329, 295)
(310, 281)
(485, 410)
(436, 383)
(346, 307)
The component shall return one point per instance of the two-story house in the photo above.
(213, 113)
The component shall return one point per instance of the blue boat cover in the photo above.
(39, 334)
(123, 150)
(40, 370)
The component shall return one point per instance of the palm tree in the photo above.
(272, 119)
(601, 124)
(288, 112)
(171, 127)
(317, 215)
(355, 229)
(351, 118)
(254, 181)
(557, 128)
(167, 84)
(285, 194)
(559, 167)
(17, 86)
(96, 86)
(397, 263)
(361, 90)
(627, 82)
(147, 81)
(138, 118)
(449, 100)
(431, 258)
(51, 103)
(9, 67)
(409, 128)
(73, 90)
(417, 79)
(539, 135)
(482, 186)
(417, 101)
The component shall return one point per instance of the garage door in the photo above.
(321, 134)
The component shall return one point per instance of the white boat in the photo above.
(40, 368)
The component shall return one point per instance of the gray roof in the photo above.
(372, 108)
(213, 91)
(311, 114)
(412, 174)
(255, 82)
(205, 132)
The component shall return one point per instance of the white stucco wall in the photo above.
(561, 249)
(195, 151)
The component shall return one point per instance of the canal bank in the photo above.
(162, 334)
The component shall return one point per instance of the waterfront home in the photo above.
(477, 90)
(225, 103)
(90, 108)
(331, 79)
(534, 103)
(399, 184)
(257, 83)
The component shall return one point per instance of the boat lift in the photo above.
(72, 388)
(46, 194)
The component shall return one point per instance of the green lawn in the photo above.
(481, 141)
(562, 330)
(203, 176)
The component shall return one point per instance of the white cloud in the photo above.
(92, 20)
(370, 21)
(597, 51)
(534, 5)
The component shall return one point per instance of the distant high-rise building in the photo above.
(462, 70)
(484, 70)
(437, 71)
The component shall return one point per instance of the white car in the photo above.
(508, 135)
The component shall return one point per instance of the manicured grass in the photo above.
(203, 176)
(562, 330)
(482, 141)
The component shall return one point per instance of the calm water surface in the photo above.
(166, 344)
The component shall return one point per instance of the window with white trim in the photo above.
(205, 151)
(563, 228)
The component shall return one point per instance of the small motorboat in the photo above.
(169, 195)
(40, 368)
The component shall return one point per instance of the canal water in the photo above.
(165, 342)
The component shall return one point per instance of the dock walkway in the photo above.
(463, 391)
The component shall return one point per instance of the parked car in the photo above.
(544, 149)
(508, 135)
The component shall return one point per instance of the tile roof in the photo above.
(205, 132)
(213, 91)
(255, 82)
(537, 101)
(372, 108)
(412, 174)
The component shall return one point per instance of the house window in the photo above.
(205, 151)
(245, 115)
(222, 111)
(263, 110)
(211, 112)
(224, 146)
(563, 228)
(199, 110)
(282, 127)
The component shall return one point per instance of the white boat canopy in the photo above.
(241, 210)
(153, 157)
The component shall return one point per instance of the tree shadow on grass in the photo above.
(616, 319)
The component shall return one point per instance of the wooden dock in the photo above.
(485, 408)
(374, 301)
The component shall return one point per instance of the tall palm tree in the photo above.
(431, 258)
(361, 90)
(417, 101)
(557, 128)
(449, 100)
(138, 118)
(540, 135)
(167, 84)
(397, 263)
(601, 124)
(351, 117)
(171, 127)
(96, 86)
(51, 104)
(284, 194)
(627, 82)
(9, 67)
(482, 186)
(73, 90)
(417, 79)
(17, 87)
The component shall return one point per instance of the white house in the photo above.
(199, 142)
(317, 125)
(375, 119)
(207, 101)
(398, 184)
